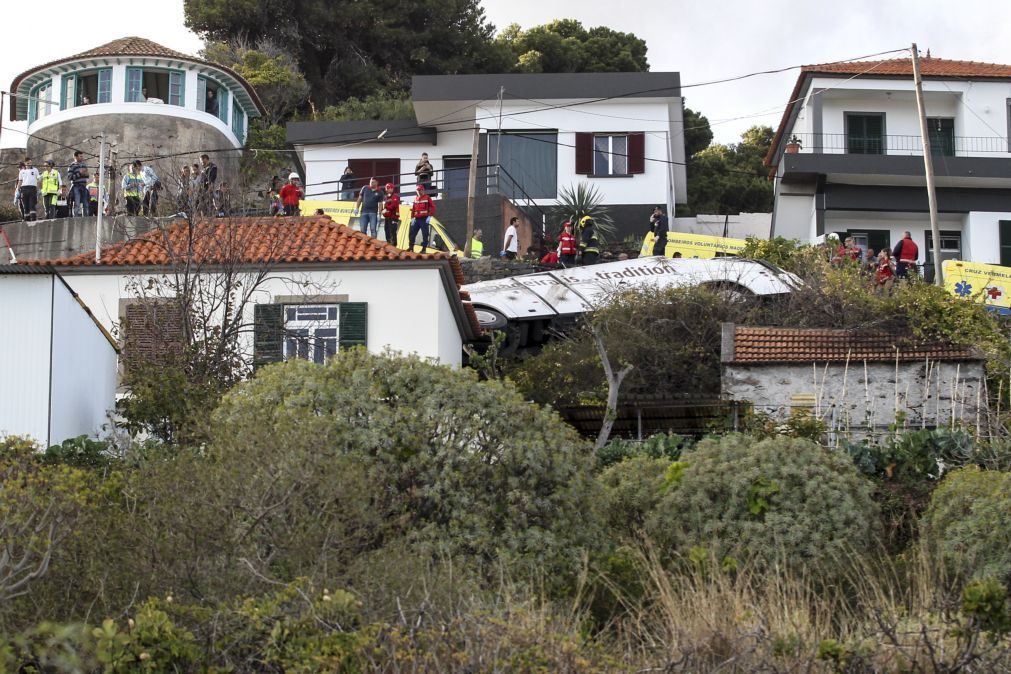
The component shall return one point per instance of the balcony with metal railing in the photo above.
(901, 145)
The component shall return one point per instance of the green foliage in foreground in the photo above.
(468, 467)
(780, 501)
(965, 524)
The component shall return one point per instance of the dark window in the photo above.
(610, 154)
(383, 170)
(145, 84)
(1005, 242)
(529, 162)
(951, 245)
(865, 133)
(941, 132)
(308, 331)
(455, 176)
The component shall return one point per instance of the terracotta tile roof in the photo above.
(249, 241)
(134, 46)
(930, 67)
(792, 345)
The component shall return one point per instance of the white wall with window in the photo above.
(119, 86)
(974, 115)
(397, 307)
(632, 143)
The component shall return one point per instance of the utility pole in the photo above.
(101, 199)
(472, 190)
(928, 168)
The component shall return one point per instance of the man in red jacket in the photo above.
(291, 194)
(567, 245)
(391, 213)
(421, 210)
(906, 253)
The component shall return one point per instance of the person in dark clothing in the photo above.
(348, 184)
(208, 184)
(906, 253)
(589, 244)
(658, 224)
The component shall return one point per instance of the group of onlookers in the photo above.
(886, 264)
(48, 190)
(200, 192)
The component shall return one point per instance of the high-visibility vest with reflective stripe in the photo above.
(476, 248)
(50, 181)
(132, 184)
(589, 246)
(93, 191)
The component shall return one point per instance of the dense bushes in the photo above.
(965, 523)
(777, 502)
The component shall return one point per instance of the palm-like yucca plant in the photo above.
(582, 199)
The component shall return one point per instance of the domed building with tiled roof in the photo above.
(149, 100)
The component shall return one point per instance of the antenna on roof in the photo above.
(928, 52)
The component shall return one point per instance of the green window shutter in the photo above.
(67, 91)
(1005, 242)
(177, 88)
(268, 334)
(202, 93)
(354, 324)
(223, 104)
(134, 85)
(104, 86)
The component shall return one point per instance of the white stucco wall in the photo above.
(855, 400)
(59, 369)
(118, 104)
(664, 146)
(980, 110)
(25, 305)
(405, 305)
(84, 371)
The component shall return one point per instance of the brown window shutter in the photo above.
(584, 153)
(636, 153)
(152, 332)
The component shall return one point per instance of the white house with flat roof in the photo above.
(621, 133)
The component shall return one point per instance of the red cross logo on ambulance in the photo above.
(994, 293)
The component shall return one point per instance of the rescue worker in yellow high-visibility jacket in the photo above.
(133, 187)
(476, 246)
(51, 184)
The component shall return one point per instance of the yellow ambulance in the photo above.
(701, 246)
(988, 284)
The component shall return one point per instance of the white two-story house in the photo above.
(848, 158)
(538, 134)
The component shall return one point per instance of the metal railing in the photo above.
(943, 145)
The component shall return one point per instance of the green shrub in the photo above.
(456, 465)
(778, 501)
(659, 446)
(964, 523)
(631, 490)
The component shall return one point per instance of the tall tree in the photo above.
(350, 48)
(565, 46)
(729, 179)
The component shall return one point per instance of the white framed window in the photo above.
(610, 154)
(310, 331)
(41, 102)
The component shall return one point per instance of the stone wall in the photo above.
(66, 237)
(863, 398)
(179, 140)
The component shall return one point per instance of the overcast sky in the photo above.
(702, 40)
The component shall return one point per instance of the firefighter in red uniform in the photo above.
(391, 213)
(421, 210)
(567, 245)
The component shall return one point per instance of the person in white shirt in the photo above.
(512, 244)
(151, 186)
(28, 186)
